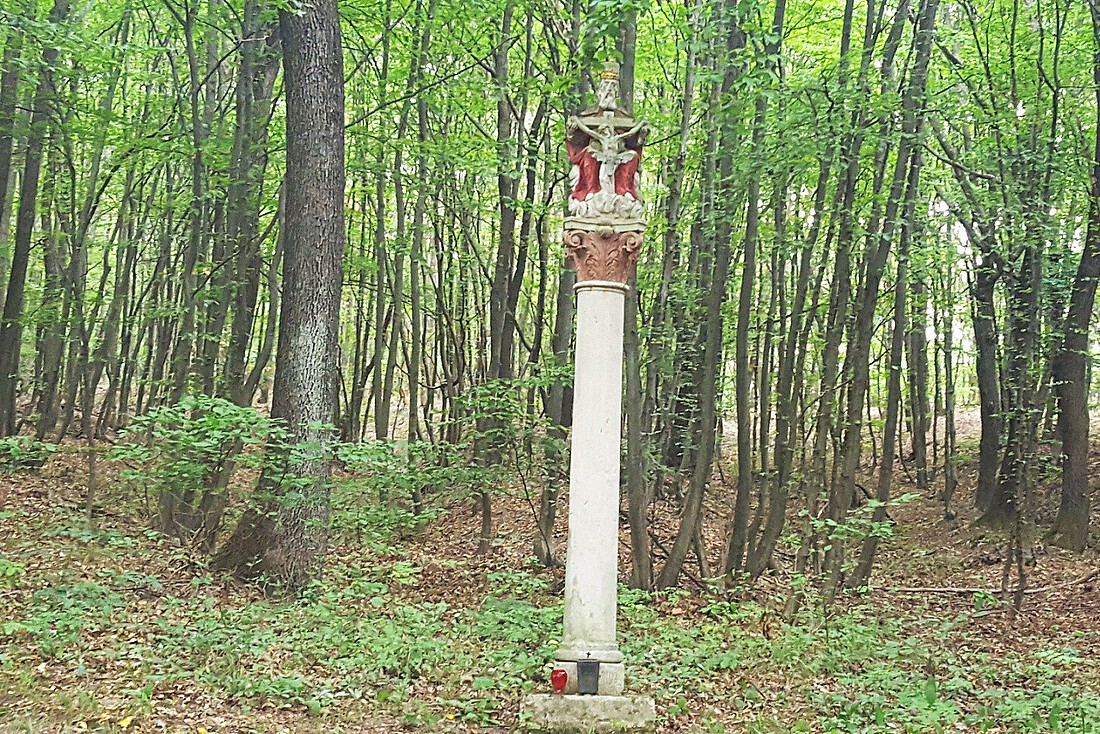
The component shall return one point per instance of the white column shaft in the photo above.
(591, 571)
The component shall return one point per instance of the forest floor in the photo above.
(110, 627)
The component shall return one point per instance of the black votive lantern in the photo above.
(588, 676)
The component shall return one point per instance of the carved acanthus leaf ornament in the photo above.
(603, 254)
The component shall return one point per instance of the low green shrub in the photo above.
(19, 453)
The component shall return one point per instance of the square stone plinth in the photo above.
(549, 714)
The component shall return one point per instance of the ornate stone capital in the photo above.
(603, 254)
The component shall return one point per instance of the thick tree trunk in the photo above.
(286, 535)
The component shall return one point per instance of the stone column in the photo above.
(603, 235)
(604, 261)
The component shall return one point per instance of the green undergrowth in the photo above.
(111, 624)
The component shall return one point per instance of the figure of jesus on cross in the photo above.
(605, 147)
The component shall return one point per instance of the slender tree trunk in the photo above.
(501, 321)
(11, 328)
(735, 553)
(641, 569)
(917, 344)
(500, 324)
(862, 572)
(861, 331)
(840, 289)
(1071, 375)
(950, 477)
(10, 69)
(52, 317)
(184, 341)
(255, 85)
(726, 199)
(416, 315)
(381, 407)
(788, 388)
(739, 541)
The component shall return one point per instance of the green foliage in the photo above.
(508, 435)
(23, 452)
(504, 443)
(984, 600)
(858, 525)
(375, 524)
(956, 689)
(398, 469)
(186, 446)
(601, 27)
(57, 616)
(107, 537)
(376, 502)
(10, 572)
(366, 632)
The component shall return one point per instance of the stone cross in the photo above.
(604, 230)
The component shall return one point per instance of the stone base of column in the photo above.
(550, 714)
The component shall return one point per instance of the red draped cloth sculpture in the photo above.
(588, 182)
(626, 174)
